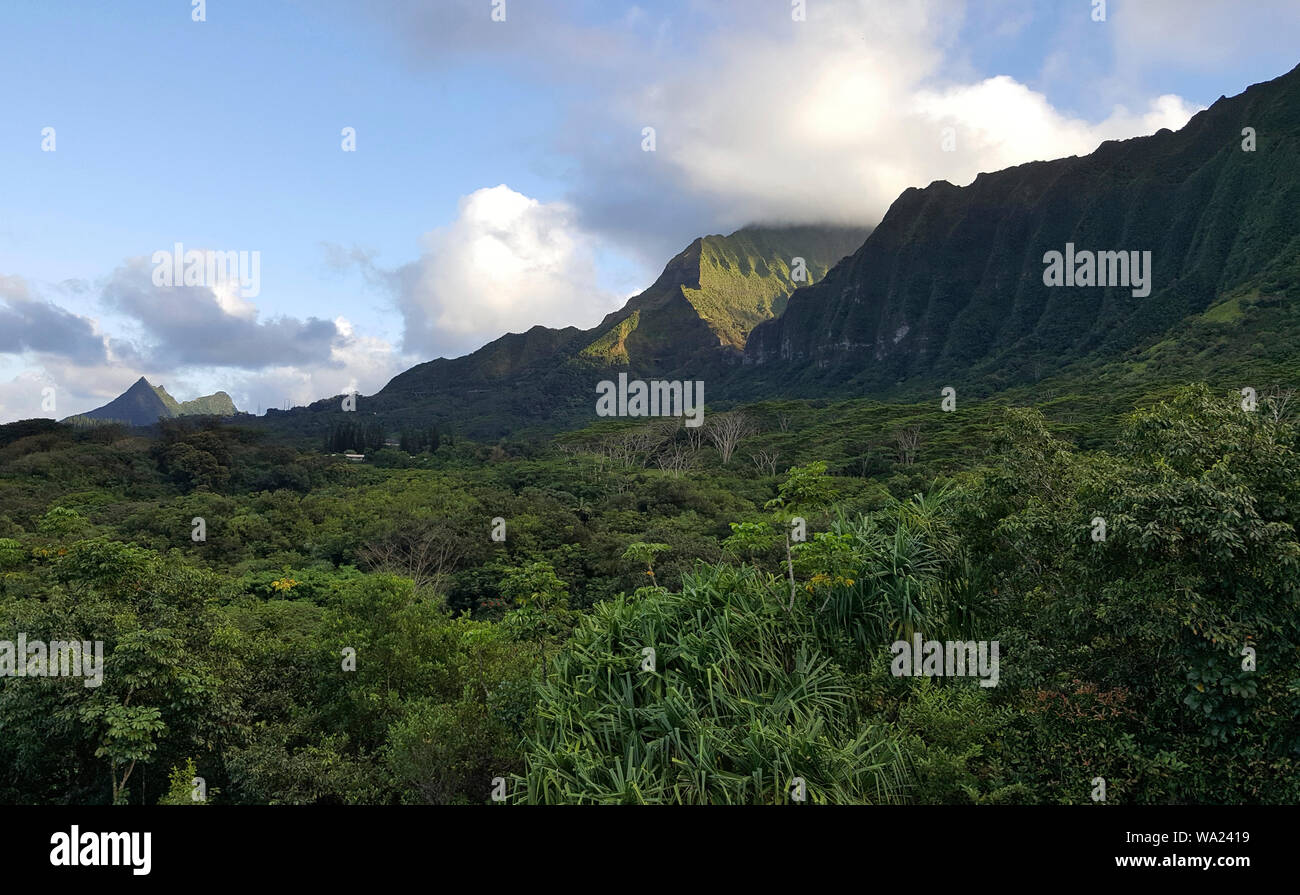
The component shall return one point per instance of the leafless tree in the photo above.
(668, 431)
(1279, 402)
(783, 419)
(668, 427)
(907, 440)
(676, 458)
(695, 436)
(600, 454)
(425, 554)
(866, 462)
(766, 460)
(726, 430)
(644, 441)
(634, 446)
(619, 447)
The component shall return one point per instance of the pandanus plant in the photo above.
(742, 704)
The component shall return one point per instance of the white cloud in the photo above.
(505, 264)
(78, 387)
(21, 397)
(352, 362)
(192, 340)
(760, 118)
(834, 118)
(29, 323)
(1004, 123)
(206, 326)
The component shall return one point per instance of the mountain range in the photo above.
(696, 317)
(949, 289)
(143, 405)
(950, 284)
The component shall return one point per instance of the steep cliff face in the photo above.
(693, 319)
(951, 281)
(949, 289)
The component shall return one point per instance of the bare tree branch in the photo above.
(426, 555)
(908, 440)
(726, 430)
(675, 459)
(765, 460)
(1279, 403)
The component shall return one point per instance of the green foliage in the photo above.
(805, 490)
(1123, 657)
(359, 437)
(739, 702)
(535, 585)
(181, 788)
(646, 553)
(12, 554)
(61, 521)
(750, 538)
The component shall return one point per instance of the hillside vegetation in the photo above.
(524, 658)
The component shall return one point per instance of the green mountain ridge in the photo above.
(949, 287)
(947, 290)
(143, 405)
(694, 318)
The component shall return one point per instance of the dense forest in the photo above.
(647, 613)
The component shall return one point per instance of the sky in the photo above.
(498, 172)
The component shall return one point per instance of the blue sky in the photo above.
(499, 179)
